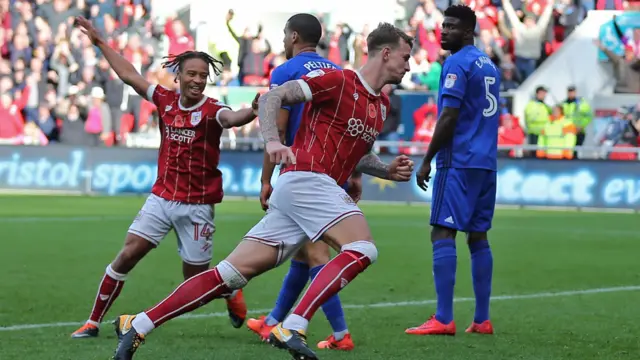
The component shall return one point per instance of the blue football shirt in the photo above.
(470, 81)
(295, 68)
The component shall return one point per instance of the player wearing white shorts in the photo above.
(189, 182)
(345, 113)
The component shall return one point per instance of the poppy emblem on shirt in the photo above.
(178, 121)
(195, 118)
(372, 111)
(450, 80)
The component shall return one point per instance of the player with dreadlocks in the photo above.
(189, 182)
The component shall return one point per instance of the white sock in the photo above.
(340, 334)
(94, 323)
(143, 324)
(295, 322)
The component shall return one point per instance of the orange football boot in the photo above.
(260, 327)
(484, 327)
(237, 309)
(86, 331)
(433, 327)
(346, 344)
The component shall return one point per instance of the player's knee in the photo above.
(366, 248)
(318, 254)
(231, 276)
(476, 236)
(300, 256)
(441, 233)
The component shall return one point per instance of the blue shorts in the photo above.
(463, 199)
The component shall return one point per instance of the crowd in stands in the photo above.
(56, 87)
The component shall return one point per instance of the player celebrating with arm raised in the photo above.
(345, 114)
(189, 182)
(464, 194)
(302, 34)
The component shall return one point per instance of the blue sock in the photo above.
(292, 287)
(444, 274)
(481, 272)
(332, 309)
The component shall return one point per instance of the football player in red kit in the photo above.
(345, 112)
(189, 182)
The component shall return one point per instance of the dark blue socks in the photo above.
(481, 272)
(293, 284)
(444, 274)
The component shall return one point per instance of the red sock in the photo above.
(190, 295)
(330, 280)
(107, 293)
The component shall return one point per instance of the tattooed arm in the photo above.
(290, 93)
(371, 164)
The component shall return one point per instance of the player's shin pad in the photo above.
(364, 247)
(231, 276)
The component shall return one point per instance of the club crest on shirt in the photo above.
(450, 80)
(196, 117)
(383, 112)
(372, 111)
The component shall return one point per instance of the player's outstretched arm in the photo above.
(125, 70)
(290, 93)
(229, 118)
(400, 168)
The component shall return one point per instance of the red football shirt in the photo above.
(190, 148)
(342, 120)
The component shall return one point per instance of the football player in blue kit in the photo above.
(464, 144)
(302, 34)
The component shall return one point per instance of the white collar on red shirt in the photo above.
(200, 103)
(366, 84)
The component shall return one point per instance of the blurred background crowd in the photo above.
(55, 87)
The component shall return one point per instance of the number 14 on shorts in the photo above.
(202, 232)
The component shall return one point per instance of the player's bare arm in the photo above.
(229, 119)
(442, 135)
(400, 168)
(125, 70)
(290, 93)
(371, 164)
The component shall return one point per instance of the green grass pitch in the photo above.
(566, 286)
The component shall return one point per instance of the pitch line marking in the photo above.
(540, 295)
